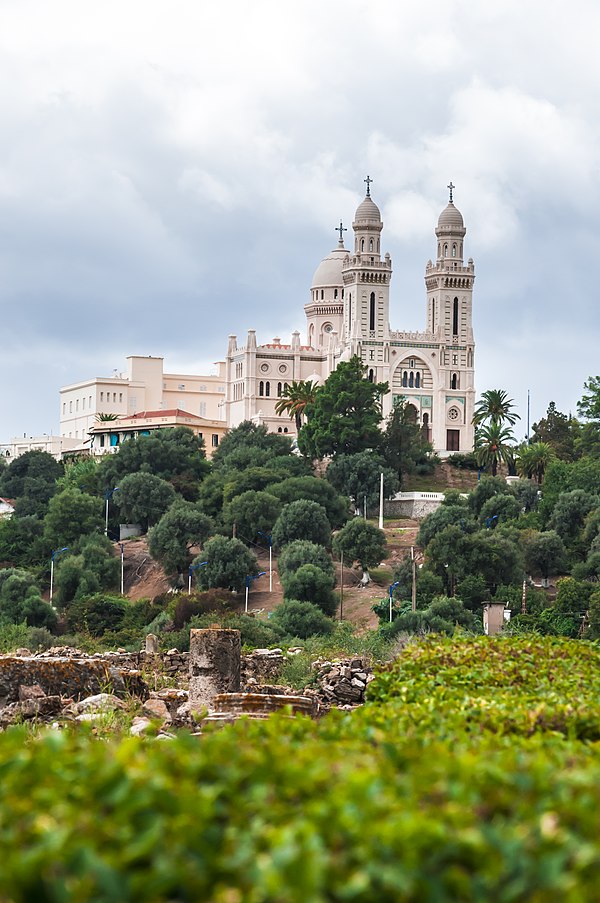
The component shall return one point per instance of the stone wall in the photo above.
(415, 505)
(67, 676)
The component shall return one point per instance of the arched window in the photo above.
(322, 294)
(405, 379)
(285, 386)
(411, 380)
(454, 250)
(445, 250)
(279, 430)
(278, 390)
(372, 311)
(285, 429)
(362, 244)
(261, 388)
(454, 381)
(455, 317)
(371, 376)
(267, 389)
(418, 381)
(370, 244)
(335, 292)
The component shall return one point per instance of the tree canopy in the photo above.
(345, 415)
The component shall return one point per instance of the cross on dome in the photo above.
(368, 180)
(341, 229)
(451, 187)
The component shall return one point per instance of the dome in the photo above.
(367, 211)
(451, 217)
(329, 271)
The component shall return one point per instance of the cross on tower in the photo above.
(368, 180)
(341, 229)
(451, 187)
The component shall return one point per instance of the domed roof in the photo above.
(451, 217)
(367, 211)
(329, 271)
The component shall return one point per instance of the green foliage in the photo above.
(21, 541)
(345, 415)
(533, 460)
(486, 488)
(454, 555)
(494, 445)
(526, 493)
(314, 489)
(71, 515)
(174, 454)
(143, 498)
(248, 436)
(562, 476)
(302, 520)
(466, 461)
(495, 407)
(443, 615)
(569, 517)
(442, 517)
(559, 431)
(545, 554)
(361, 541)
(21, 601)
(301, 619)
(310, 584)
(589, 405)
(81, 473)
(300, 552)
(404, 445)
(31, 480)
(470, 774)
(252, 513)
(229, 563)
(184, 525)
(499, 509)
(95, 567)
(359, 475)
(97, 614)
(294, 399)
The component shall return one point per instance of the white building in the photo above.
(145, 387)
(348, 314)
(57, 446)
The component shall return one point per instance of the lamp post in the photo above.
(381, 501)
(392, 588)
(108, 495)
(54, 555)
(269, 538)
(191, 569)
(122, 566)
(249, 580)
(414, 557)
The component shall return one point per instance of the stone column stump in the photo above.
(215, 658)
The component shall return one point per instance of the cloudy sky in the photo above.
(171, 171)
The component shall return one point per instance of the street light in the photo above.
(269, 538)
(54, 555)
(108, 495)
(414, 559)
(392, 588)
(191, 569)
(381, 501)
(249, 580)
(122, 566)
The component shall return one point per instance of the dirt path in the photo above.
(144, 578)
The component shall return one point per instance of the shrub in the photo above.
(302, 520)
(301, 619)
(311, 584)
(300, 552)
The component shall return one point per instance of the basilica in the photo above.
(347, 314)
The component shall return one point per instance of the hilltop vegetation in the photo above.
(471, 774)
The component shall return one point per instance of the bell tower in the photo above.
(367, 288)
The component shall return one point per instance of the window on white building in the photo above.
(215, 440)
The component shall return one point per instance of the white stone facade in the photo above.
(348, 314)
(145, 387)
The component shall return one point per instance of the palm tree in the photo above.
(495, 406)
(534, 459)
(494, 444)
(104, 418)
(294, 399)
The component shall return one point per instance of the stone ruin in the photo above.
(215, 683)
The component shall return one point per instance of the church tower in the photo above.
(367, 289)
(449, 284)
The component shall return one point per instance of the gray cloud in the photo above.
(172, 174)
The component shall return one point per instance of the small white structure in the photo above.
(57, 446)
(494, 617)
(7, 508)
